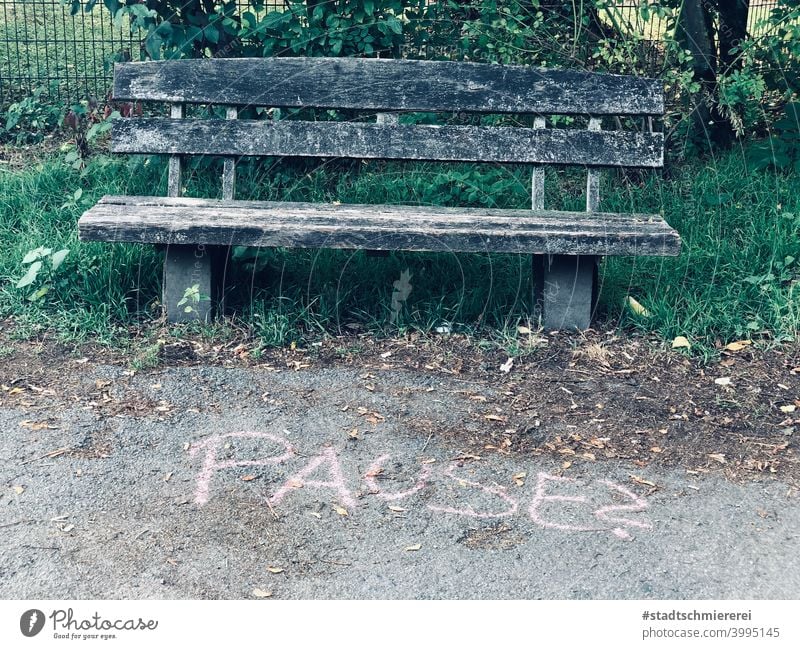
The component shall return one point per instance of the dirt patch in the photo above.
(579, 398)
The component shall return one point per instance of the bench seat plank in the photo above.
(381, 141)
(177, 221)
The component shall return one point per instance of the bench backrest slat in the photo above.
(381, 85)
(388, 141)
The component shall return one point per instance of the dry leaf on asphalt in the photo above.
(257, 592)
(36, 425)
(274, 570)
(18, 489)
(340, 510)
(395, 508)
(641, 480)
(248, 478)
(496, 418)
(519, 478)
(414, 548)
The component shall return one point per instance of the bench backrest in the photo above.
(386, 87)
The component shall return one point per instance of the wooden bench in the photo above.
(565, 246)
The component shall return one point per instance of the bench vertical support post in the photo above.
(186, 288)
(220, 255)
(566, 285)
(387, 119)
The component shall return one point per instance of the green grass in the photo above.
(736, 278)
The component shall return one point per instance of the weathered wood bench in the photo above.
(566, 245)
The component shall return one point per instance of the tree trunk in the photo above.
(732, 31)
(696, 33)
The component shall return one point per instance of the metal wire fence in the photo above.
(72, 56)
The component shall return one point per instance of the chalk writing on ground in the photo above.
(556, 502)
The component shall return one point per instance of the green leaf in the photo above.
(369, 7)
(59, 257)
(395, 25)
(112, 6)
(152, 44)
(39, 294)
(36, 253)
(212, 34)
(30, 276)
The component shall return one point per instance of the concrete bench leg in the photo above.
(565, 288)
(187, 267)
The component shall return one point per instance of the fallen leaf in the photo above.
(168, 476)
(738, 345)
(386, 354)
(719, 457)
(566, 465)
(723, 380)
(36, 425)
(680, 342)
(340, 510)
(656, 449)
(519, 478)
(18, 489)
(589, 456)
(506, 367)
(274, 570)
(495, 418)
(68, 528)
(523, 330)
(414, 548)
(353, 434)
(637, 308)
(257, 592)
(641, 480)
(248, 478)
(790, 408)
(395, 508)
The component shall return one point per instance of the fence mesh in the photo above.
(71, 56)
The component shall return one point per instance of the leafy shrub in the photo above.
(29, 119)
(781, 150)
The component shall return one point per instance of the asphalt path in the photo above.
(245, 483)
